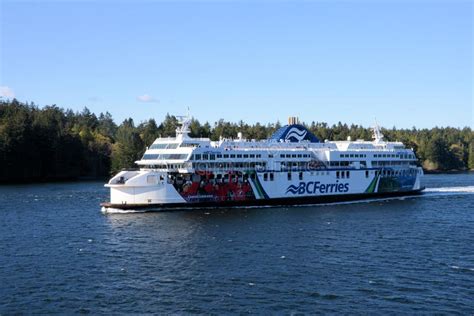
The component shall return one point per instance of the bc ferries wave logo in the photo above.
(318, 187)
(295, 189)
(296, 133)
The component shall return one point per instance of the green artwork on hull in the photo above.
(389, 184)
(258, 186)
(372, 185)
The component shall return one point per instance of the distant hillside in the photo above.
(54, 144)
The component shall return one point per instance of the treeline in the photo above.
(50, 143)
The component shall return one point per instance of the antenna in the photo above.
(377, 135)
(185, 121)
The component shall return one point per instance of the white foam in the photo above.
(466, 189)
(111, 210)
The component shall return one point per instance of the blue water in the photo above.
(59, 253)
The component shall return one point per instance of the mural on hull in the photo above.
(396, 184)
(210, 187)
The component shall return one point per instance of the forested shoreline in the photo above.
(51, 143)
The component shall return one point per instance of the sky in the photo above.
(402, 63)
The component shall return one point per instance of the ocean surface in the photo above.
(60, 254)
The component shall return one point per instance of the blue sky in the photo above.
(406, 63)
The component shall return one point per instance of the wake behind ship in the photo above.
(291, 167)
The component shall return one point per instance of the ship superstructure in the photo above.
(291, 167)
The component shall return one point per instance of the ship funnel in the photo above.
(293, 120)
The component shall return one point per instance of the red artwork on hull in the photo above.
(207, 186)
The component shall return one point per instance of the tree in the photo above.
(471, 155)
(128, 146)
(149, 131)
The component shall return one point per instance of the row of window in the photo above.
(164, 156)
(189, 145)
(295, 155)
(339, 163)
(300, 176)
(353, 155)
(345, 174)
(169, 166)
(402, 172)
(266, 176)
(223, 156)
(228, 165)
(390, 163)
(270, 175)
(404, 156)
(164, 146)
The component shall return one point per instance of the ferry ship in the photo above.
(292, 167)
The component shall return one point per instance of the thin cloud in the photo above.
(94, 99)
(146, 98)
(6, 92)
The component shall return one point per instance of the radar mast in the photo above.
(184, 121)
(377, 135)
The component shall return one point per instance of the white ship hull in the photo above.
(145, 190)
(292, 167)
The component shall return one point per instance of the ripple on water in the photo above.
(60, 254)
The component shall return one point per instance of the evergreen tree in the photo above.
(128, 146)
(471, 156)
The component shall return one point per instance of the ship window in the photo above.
(356, 155)
(246, 156)
(158, 146)
(293, 156)
(342, 174)
(366, 173)
(265, 177)
(226, 156)
(337, 174)
(252, 176)
(299, 156)
(252, 155)
(282, 156)
(174, 156)
(205, 156)
(150, 157)
(270, 156)
(212, 157)
(172, 146)
(289, 176)
(301, 175)
(352, 155)
(232, 156)
(189, 145)
(259, 156)
(347, 174)
(239, 156)
(271, 176)
(219, 156)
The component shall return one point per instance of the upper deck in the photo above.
(292, 144)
